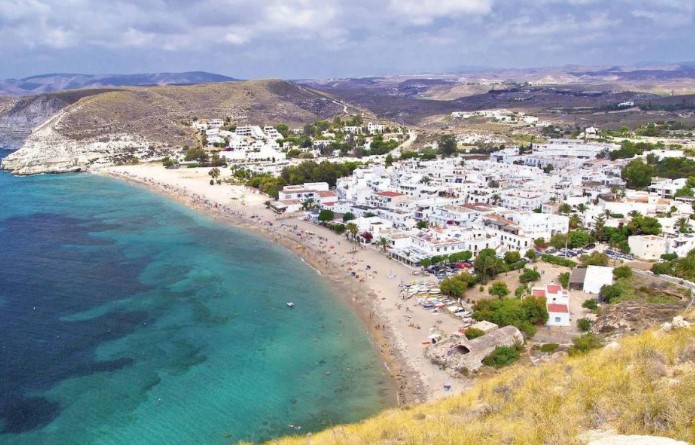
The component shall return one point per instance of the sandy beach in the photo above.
(368, 280)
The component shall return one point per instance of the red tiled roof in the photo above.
(325, 194)
(390, 194)
(554, 288)
(558, 308)
(538, 292)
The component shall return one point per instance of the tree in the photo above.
(595, 259)
(368, 237)
(197, 154)
(283, 129)
(578, 238)
(326, 215)
(383, 242)
(348, 216)
(581, 207)
(531, 254)
(622, 272)
(460, 256)
(564, 209)
(611, 292)
(457, 285)
(590, 304)
(422, 224)
(389, 160)
(644, 225)
(584, 324)
(599, 224)
(352, 229)
(308, 204)
(488, 265)
(214, 173)
(499, 289)
(512, 257)
(575, 221)
(637, 174)
(338, 228)
(683, 224)
(529, 275)
(447, 145)
(564, 279)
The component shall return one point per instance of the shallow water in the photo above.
(128, 319)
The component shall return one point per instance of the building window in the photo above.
(557, 319)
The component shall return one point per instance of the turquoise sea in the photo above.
(126, 318)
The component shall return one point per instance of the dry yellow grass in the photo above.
(646, 386)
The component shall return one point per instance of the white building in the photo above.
(647, 247)
(375, 128)
(557, 301)
(597, 277)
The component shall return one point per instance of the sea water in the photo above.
(126, 318)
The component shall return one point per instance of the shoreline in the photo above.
(374, 298)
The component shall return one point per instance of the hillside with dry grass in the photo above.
(161, 113)
(643, 385)
(105, 127)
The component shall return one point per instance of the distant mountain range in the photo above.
(47, 83)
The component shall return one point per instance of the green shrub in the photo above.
(590, 304)
(524, 314)
(499, 289)
(501, 356)
(584, 324)
(584, 343)
(472, 333)
(669, 256)
(529, 275)
(558, 261)
(622, 272)
(611, 292)
(564, 279)
(549, 347)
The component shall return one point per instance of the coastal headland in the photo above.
(368, 281)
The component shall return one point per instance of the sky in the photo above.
(300, 39)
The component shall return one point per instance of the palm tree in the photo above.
(575, 221)
(683, 224)
(353, 230)
(383, 242)
(634, 214)
(581, 207)
(308, 204)
(565, 208)
(214, 173)
(495, 198)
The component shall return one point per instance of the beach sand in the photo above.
(398, 328)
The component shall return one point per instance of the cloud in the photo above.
(323, 38)
(423, 12)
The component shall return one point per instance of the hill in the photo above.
(640, 386)
(47, 83)
(103, 127)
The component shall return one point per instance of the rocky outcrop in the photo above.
(20, 116)
(460, 354)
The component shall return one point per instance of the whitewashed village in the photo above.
(533, 240)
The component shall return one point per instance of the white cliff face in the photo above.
(48, 151)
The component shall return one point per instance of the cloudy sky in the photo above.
(336, 38)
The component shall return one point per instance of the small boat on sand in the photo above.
(290, 304)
